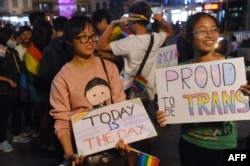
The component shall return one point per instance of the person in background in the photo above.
(158, 27)
(82, 85)
(101, 19)
(24, 34)
(58, 24)
(234, 44)
(133, 49)
(10, 68)
(206, 141)
(54, 56)
(34, 16)
(181, 45)
(57, 53)
(10, 26)
(41, 36)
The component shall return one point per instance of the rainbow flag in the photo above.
(140, 83)
(28, 85)
(119, 33)
(147, 160)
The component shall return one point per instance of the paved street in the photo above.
(164, 147)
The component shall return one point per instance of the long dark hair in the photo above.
(191, 22)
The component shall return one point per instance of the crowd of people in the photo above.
(23, 88)
(49, 72)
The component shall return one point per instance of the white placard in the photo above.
(167, 56)
(203, 92)
(101, 128)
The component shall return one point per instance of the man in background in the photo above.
(54, 56)
(25, 34)
(101, 19)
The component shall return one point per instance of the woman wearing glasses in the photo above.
(203, 144)
(82, 84)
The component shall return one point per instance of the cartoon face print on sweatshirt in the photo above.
(97, 92)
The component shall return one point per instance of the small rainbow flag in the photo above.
(146, 159)
(140, 83)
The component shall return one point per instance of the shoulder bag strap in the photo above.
(146, 55)
(106, 72)
(14, 57)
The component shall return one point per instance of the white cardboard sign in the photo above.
(167, 56)
(203, 92)
(101, 128)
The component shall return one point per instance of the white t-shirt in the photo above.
(21, 50)
(133, 49)
(234, 46)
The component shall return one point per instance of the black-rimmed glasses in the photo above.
(86, 38)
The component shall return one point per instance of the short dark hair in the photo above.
(41, 33)
(101, 14)
(143, 8)
(156, 26)
(59, 22)
(23, 29)
(5, 34)
(74, 26)
(36, 15)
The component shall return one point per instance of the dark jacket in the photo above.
(54, 56)
(10, 67)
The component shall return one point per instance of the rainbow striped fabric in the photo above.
(119, 33)
(139, 83)
(28, 84)
(147, 160)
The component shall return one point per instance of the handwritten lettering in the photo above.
(210, 104)
(203, 92)
(216, 75)
(109, 117)
(164, 57)
(169, 104)
(110, 137)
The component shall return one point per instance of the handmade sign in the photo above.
(102, 128)
(167, 56)
(203, 92)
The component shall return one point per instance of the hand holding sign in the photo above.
(203, 92)
(101, 128)
(161, 118)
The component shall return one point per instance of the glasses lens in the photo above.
(205, 32)
(86, 38)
